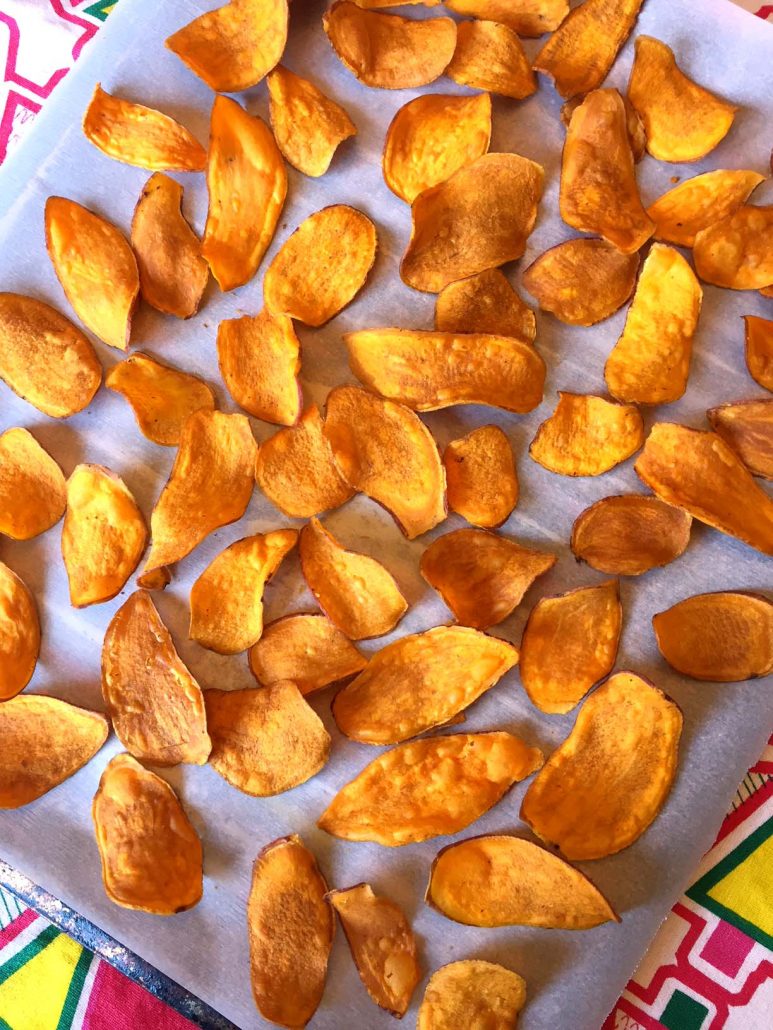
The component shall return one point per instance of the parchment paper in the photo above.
(573, 978)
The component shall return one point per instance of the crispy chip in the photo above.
(759, 350)
(158, 579)
(355, 591)
(698, 472)
(307, 649)
(429, 788)
(470, 993)
(151, 855)
(526, 17)
(482, 481)
(598, 192)
(45, 741)
(291, 929)
(386, 50)
(19, 635)
(419, 682)
(723, 637)
(96, 267)
(748, 428)
(681, 213)
(569, 644)
(636, 136)
(374, 5)
(630, 534)
(33, 493)
(477, 219)
(233, 47)
(427, 370)
(509, 881)
(154, 702)
(737, 252)
(260, 358)
(587, 435)
(227, 599)
(490, 56)
(141, 136)
(385, 451)
(484, 303)
(247, 184)
(307, 279)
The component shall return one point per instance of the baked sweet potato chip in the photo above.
(419, 682)
(155, 704)
(33, 493)
(759, 350)
(723, 637)
(636, 136)
(158, 579)
(526, 17)
(19, 635)
(484, 303)
(152, 858)
(385, 451)
(306, 648)
(681, 213)
(45, 741)
(587, 435)
(490, 56)
(96, 267)
(737, 252)
(479, 218)
(291, 929)
(471, 991)
(748, 428)
(482, 481)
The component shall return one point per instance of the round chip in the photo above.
(490, 55)
(484, 303)
(33, 493)
(737, 252)
(482, 481)
(587, 436)
(470, 993)
(19, 635)
(307, 649)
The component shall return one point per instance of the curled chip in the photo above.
(308, 280)
(759, 350)
(681, 213)
(44, 358)
(650, 362)
(582, 281)
(724, 637)
(698, 472)
(471, 992)
(526, 17)
(103, 536)
(45, 741)
(587, 435)
(484, 303)
(19, 635)
(173, 274)
(598, 192)
(154, 702)
(291, 929)
(151, 855)
(247, 185)
(569, 644)
(386, 50)
(429, 788)
(420, 681)
(630, 534)
(307, 649)
(509, 881)
(382, 944)
(33, 493)
(490, 56)
(141, 136)
(482, 481)
(600, 789)
(355, 591)
(307, 124)
(748, 428)
(477, 219)
(227, 599)
(737, 252)
(233, 47)
(158, 579)
(634, 124)
(385, 451)
(161, 397)
(427, 370)
(96, 267)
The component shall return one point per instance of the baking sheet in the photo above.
(573, 979)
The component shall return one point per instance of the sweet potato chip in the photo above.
(600, 789)
(759, 350)
(598, 192)
(385, 451)
(630, 534)
(484, 303)
(748, 428)
(569, 644)
(33, 493)
(582, 281)
(19, 635)
(482, 481)
(681, 213)
(636, 136)
(227, 599)
(374, 5)
(152, 858)
(723, 637)
(427, 370)
(587, 435)
(306, 648)
(154, 702)
(737, 252)
(247, 184)
(477, 219)
(472, 992)
(698, 472)
(307, 279)
(419, 682)
(355, 591)
(526, 17)
(509, 881)
(490, 56)
(158, 579)
(429, 788)
(141, 136)
(45, 741)
(291, 929)
(233, 47)
(96, 267)
(386, 50)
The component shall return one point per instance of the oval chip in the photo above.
(526, 17)
(748, 428)
(484, 303)
(737, 252)
(469, 992)
(306, 648)
(482, 481)
(681, 213)
(33, 492)
(759, 350)
(490, 55)
(19, 635)
(587, 435)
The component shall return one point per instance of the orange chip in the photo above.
(681, 213)
(19, 636)
(737, 252)
(748, 428)
(33, 493)
(759, 350)
(233, 47)
(247, 185)
(462, 993)
(307, 649)
(158, 579)
(477, 219)
(587, 435)
(490, 56)
(636, 136)
(96, 267)
(374, 5)
(484, 303)
(482, 481)
(526, 17)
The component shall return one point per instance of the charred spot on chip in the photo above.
(526, 17)
(19, 637)
(481, 475)
(737, 251)
(33, 492)
(306, 648)
(748, 428)
(681, 213)
(490, 56)
(461, 993)
(484, 303)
